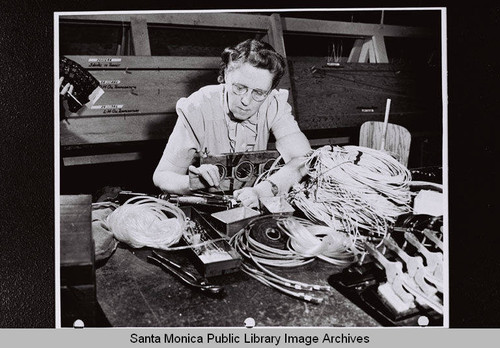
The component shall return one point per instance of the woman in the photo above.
(236, 115)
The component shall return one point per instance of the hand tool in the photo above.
(185, 276)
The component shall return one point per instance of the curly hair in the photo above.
(258, 54)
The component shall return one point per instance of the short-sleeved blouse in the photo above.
(204, 125)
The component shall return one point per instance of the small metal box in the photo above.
(276, 205)
(232, 220)
(216, 258)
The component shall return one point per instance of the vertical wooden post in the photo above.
(355, 51)
(140, 36)
(275, 34)
(373, 50)
(366, 55)
(370, 49)
(379, 49)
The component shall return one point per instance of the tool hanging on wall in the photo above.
(86, 88)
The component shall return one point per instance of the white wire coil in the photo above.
(353, 188)
(145, 222)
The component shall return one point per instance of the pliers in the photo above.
(182, 274)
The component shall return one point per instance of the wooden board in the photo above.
(356, 51)
(139, 100)
(397, 142)
(96, 62)
(77, 246)
(104, 158)
(144, 91)
(316, 26)
(145, 85)
(140, 37)
(275, 35)
(259, 22)
(78, 291)
(217, 20)
(99, 130)
(355, 93)
(379, 49)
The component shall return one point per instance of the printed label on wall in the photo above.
(109, 82)
(114, 109)
(112, 106)
(104, 62)
(115, 84)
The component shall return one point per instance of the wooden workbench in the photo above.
(135, 293)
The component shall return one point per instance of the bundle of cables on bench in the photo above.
(350, 195)
(289, 242)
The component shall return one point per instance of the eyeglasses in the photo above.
(257, 94)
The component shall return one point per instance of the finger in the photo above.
(71, 88)
(208, 178)
(245, 204)
(249, 202)
(202, 171)
(239, 194)
(61, 81)
(213, 171)
(244, 199)
(254, 204)
(194, 170)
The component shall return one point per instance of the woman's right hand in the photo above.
(209, 173)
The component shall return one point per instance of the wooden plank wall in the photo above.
(139, 99)
(142, 90)
(355, 93)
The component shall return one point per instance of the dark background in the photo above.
(27, 291)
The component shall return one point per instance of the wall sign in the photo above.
(104, 62)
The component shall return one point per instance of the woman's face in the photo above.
(246, 83)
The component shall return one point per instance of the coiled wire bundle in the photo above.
(289, 242)
(311, 240)
(353, 189)
(147, 221)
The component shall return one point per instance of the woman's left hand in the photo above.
(247, 196)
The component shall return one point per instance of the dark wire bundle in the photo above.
(353, 189)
